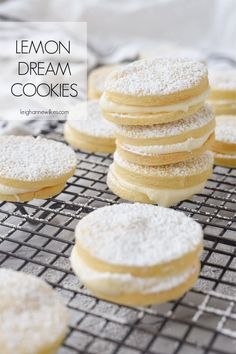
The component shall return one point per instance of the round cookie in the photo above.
(129, 260)
(164, 185)
(33, 167)
(96, 80)
(87, 130)
(33, 317)
(154, 91)
(223, 91)
(167, 143)
(224, 146)
(225, 160)
(13, 194)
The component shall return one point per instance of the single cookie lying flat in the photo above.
(223, 91)
(33, 317)
(33, 167)
(87, 130)
(129, 259)
(224, 146)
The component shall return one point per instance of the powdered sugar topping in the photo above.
(31, 159)
(223, 79)
(32, 314)
(98, 76)
(138, 234)
(192, 122)
(158, 76)
(190, 167)
(87, 118)
(226, 129)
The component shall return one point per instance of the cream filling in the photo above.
(113, 107)
(216, 154)
(188, 145)
(119, 283)
(222, 102)
(14, 191)
(163, 197)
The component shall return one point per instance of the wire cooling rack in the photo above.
(37, 237)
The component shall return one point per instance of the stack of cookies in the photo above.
(164, 129)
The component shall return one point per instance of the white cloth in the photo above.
(203, 24)
(119, 29)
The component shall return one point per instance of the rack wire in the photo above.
(37, 238)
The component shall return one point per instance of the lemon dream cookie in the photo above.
(87, 130)
(167, 143)
(163, 185)
(223, 91)
(96, 80)
(154, 91)
(225, 142)
(33, 317)
(128, 260)
(33, 167)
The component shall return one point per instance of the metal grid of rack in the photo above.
(37, 237)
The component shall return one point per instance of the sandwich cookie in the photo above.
(164, 185)
(167, 143)
(96, 80)
(87, 130)
(154, 91)
(33, 167)
(128, 260)
(225, 142)
(33, 317)
(223, 91)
